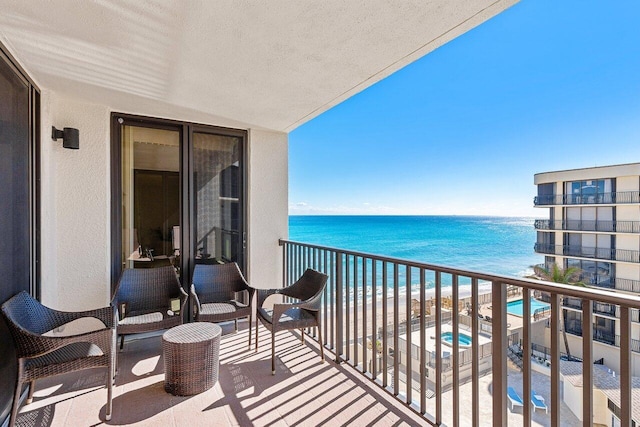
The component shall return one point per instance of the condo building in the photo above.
(594, 225)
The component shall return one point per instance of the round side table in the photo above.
(191, 358)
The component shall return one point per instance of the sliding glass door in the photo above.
(150, 196)
(19, 118)
(178, 194)
(218, 207)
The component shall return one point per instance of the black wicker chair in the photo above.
(143, 300)
(214, 290)
(41, 356)
(302, 312)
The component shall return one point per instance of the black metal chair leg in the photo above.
(250, 332)
(32, 388)
(16, 399)
(321, 343)
(273, 352)
(110, 375)
(256, 334)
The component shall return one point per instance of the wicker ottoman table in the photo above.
(191, 355)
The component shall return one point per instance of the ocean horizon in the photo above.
(494, 245)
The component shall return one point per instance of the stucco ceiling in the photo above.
(266, 64)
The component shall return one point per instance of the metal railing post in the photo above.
(499, 357)
(587, 363)
(596, 300)
(339, 308)
(556, 312)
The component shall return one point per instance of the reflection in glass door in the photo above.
(150, 197)
(178, 195)
(217, 183)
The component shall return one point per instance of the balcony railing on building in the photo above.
(591, 199)
(574, 328)
(366, 325)
(606, 281)
(599, 308)
(611, 254)
(588, 225)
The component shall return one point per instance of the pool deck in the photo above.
(514, 321)
(430, 343)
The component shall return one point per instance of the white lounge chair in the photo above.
(514, 398)
(538, 402)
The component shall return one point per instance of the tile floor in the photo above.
(304, 391)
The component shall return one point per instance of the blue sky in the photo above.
(546, 85)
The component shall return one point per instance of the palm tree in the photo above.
(567, 276)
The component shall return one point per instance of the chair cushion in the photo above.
(142, 319)
(214, 308)
(294, 318)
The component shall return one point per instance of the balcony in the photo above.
(604, 337)
(627, 285)
(304, 390)
(620, 197)
(369, 290)
(582, 225)
(611, 254)
(376, 371)
(599, 308)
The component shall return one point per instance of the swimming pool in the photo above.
(515, 307)
(463, 339)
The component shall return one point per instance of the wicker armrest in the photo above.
(279, 309)
(264, 293)
(193, 293)
(185, 297)
(34, 345)
(104, 314)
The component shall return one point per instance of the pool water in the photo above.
(515, 307)
(463, 339)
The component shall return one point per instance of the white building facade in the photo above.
(594, 225)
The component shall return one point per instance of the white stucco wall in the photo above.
(76, 205)
(609, 353)
(268, 207)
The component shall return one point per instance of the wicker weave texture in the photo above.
(191, 355)
(302, 312)
(146, 295)
(41, 356)
(214, 285)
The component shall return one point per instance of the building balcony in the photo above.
(610, 254)
(627, 285)
(598, 308)
(604, 337)
(383, 365)
(606, 281)
(619, 197)
(581, 225)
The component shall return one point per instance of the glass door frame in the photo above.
(33, 169)
(187, 200)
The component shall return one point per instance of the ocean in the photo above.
(496, 245)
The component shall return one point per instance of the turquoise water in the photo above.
(463, 339)
(485, 244)
(515, 307)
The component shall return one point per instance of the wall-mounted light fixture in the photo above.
(70, 137)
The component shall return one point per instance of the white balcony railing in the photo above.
(365, 324)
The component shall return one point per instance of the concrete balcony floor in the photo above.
(304, 391)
